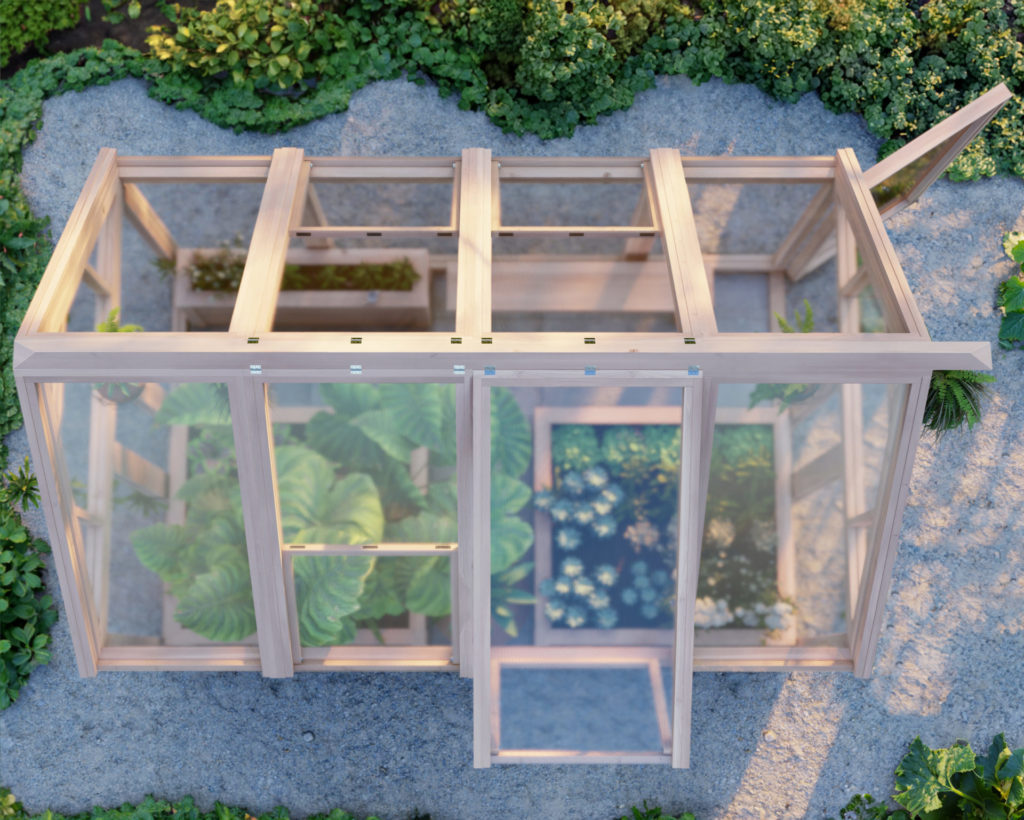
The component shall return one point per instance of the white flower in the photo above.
(721, 531)
(710, 613)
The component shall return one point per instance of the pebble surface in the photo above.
(950, 661)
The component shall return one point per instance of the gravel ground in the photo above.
(949, 662)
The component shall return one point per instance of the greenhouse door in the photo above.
(585, 586)
(899, 179)
(366, 476)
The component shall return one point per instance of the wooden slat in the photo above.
(49, 307)
(879, 256)
(264, 263)
(254, 449)
(428, 548)
(481, 549)
(734, 357)
(806, 222)
(824, 469)
(687, 572)
(467, 499)
(892, 498)
(393, 231)
(959, 129)
(314, 215)
(139, 470)
(61, 523)
(178, 658)
(473, 304)
(568, 756)
(811, 254)
(148, 223)
(694, 309)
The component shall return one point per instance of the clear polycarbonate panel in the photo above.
(584, 539)
(152, 473)
(368, 465)
(899, 185)
(583, 203)
(402, 203)
(793, 498)
(741, 302)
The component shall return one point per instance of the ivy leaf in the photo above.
(1013, 245)
(205, 404)
(1011, 294)
(218, 604)
(1012, 328)
(511, 442)
(924, 774)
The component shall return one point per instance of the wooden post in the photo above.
(473, 300)
(695, 312)
(481, 548)
(264, 265)
(254, 449)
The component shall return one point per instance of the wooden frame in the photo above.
(487, 670)
(842, 221)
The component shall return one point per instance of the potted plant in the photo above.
(118, 392)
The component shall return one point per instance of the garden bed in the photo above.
(320, 309)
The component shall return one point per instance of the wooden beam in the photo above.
(877, 252)
(467, 499)
(824, 469)
(264, 264)
(734, 357)
(892, 498)
(805, 224)
(473, 303)
(687, 572)
(49, 308)
(480, 544)
(139, 470)
(695, 312)
(148, 223)
(254, 450)
(958, 129)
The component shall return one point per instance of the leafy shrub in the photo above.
(1010, 300)
(258, 43)
(954, 397)
(25, 23)
(951, 784)
(26, 612)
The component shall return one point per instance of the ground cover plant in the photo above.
(950, 784)
(1010, 300)
(153, 808)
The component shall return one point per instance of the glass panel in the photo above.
(382, 204)
(793, 494)
(598, 203)
(747, 218)
(368, 464)
(900, 184)
(587, 666)
(154, 479)
(741, 303)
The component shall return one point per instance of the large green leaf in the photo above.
(347, 446)
(508, 495)
(398, 495)
(924, 774)
(430, 588)
(195, 404)
(443, 498)
(381, 428)
(417, 410)
(317, 508)
(384, 589)
(510, 540)
(426, 526)
(218, 604)
(160, 548)
(327, 589)
(511, 443)
(349, 400)
(1011, 294)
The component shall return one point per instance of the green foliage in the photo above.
(788, 394)
(222, 271)
(954, 397)
(343, 478)
(26, 612)
(950, 784)
(654, 813)
(113, 325)
(1010, 299)
(25, 23)
(258, 43)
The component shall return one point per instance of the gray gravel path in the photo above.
(951, 657)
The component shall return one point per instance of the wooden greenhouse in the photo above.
(532, 420)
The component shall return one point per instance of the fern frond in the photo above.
(954, 397)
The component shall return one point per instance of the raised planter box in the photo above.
(546, 418)
(316, 309)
